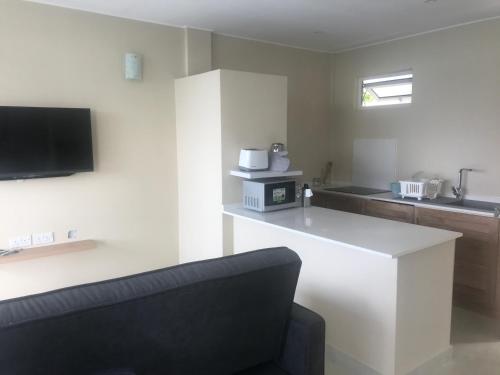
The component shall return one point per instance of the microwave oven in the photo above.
(270, 195)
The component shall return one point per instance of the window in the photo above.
(387, 90)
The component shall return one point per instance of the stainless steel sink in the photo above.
(476, 205)
(470, 204)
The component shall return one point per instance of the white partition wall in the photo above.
(387, 316)
(199, 175)
(217, 114)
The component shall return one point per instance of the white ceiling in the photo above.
(324, 25)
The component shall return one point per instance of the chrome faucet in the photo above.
(459, 191)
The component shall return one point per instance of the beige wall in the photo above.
(55, 57)
(454, 120)
(254, 114)
(52, 56)
(198, 51)
(308, 92)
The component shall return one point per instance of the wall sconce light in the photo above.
(133, 66)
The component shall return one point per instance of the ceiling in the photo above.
(323, 25)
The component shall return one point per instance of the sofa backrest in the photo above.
(217, 316)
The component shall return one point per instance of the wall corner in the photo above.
(197, 51)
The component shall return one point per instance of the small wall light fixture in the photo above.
(133, 66)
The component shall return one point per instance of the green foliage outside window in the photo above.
(367, 97)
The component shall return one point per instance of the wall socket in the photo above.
(72, 234)
(20, 242)
(43, 238)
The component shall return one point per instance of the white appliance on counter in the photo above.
(270, 194)
(253, 159)
(279, 161)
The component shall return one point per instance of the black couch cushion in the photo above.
(213, 317)
(119, 371)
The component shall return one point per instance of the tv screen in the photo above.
(44, 142)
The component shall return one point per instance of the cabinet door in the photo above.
(338, 202)
(319, 199)
(344, 203)
(391, 211)
(476, 255)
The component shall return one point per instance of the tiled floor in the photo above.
(476, 347)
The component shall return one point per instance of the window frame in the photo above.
(359, 89)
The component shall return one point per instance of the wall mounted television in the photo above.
(40, 142)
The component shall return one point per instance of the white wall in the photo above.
(199, 150)
(50, 56)
(308, 76)
(455, 116)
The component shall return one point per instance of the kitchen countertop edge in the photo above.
(236, 210)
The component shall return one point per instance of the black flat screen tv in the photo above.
(44, 142)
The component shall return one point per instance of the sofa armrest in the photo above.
(304, 348)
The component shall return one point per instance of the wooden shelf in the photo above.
(45, 251)
(263, 174)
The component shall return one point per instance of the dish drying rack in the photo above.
(421, 189)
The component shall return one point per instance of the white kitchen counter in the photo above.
(383, 287)
(378, 236)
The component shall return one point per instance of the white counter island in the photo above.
(383, 287)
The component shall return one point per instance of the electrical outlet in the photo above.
(20, 242)
(43, 238)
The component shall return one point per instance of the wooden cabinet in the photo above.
(477, 261)
(389, 210)
(338, 202)
(476, 256)
(384, 210)
(319, 199)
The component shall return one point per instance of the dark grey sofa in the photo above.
(233, 315)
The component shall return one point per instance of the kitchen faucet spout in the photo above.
(459, 190)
